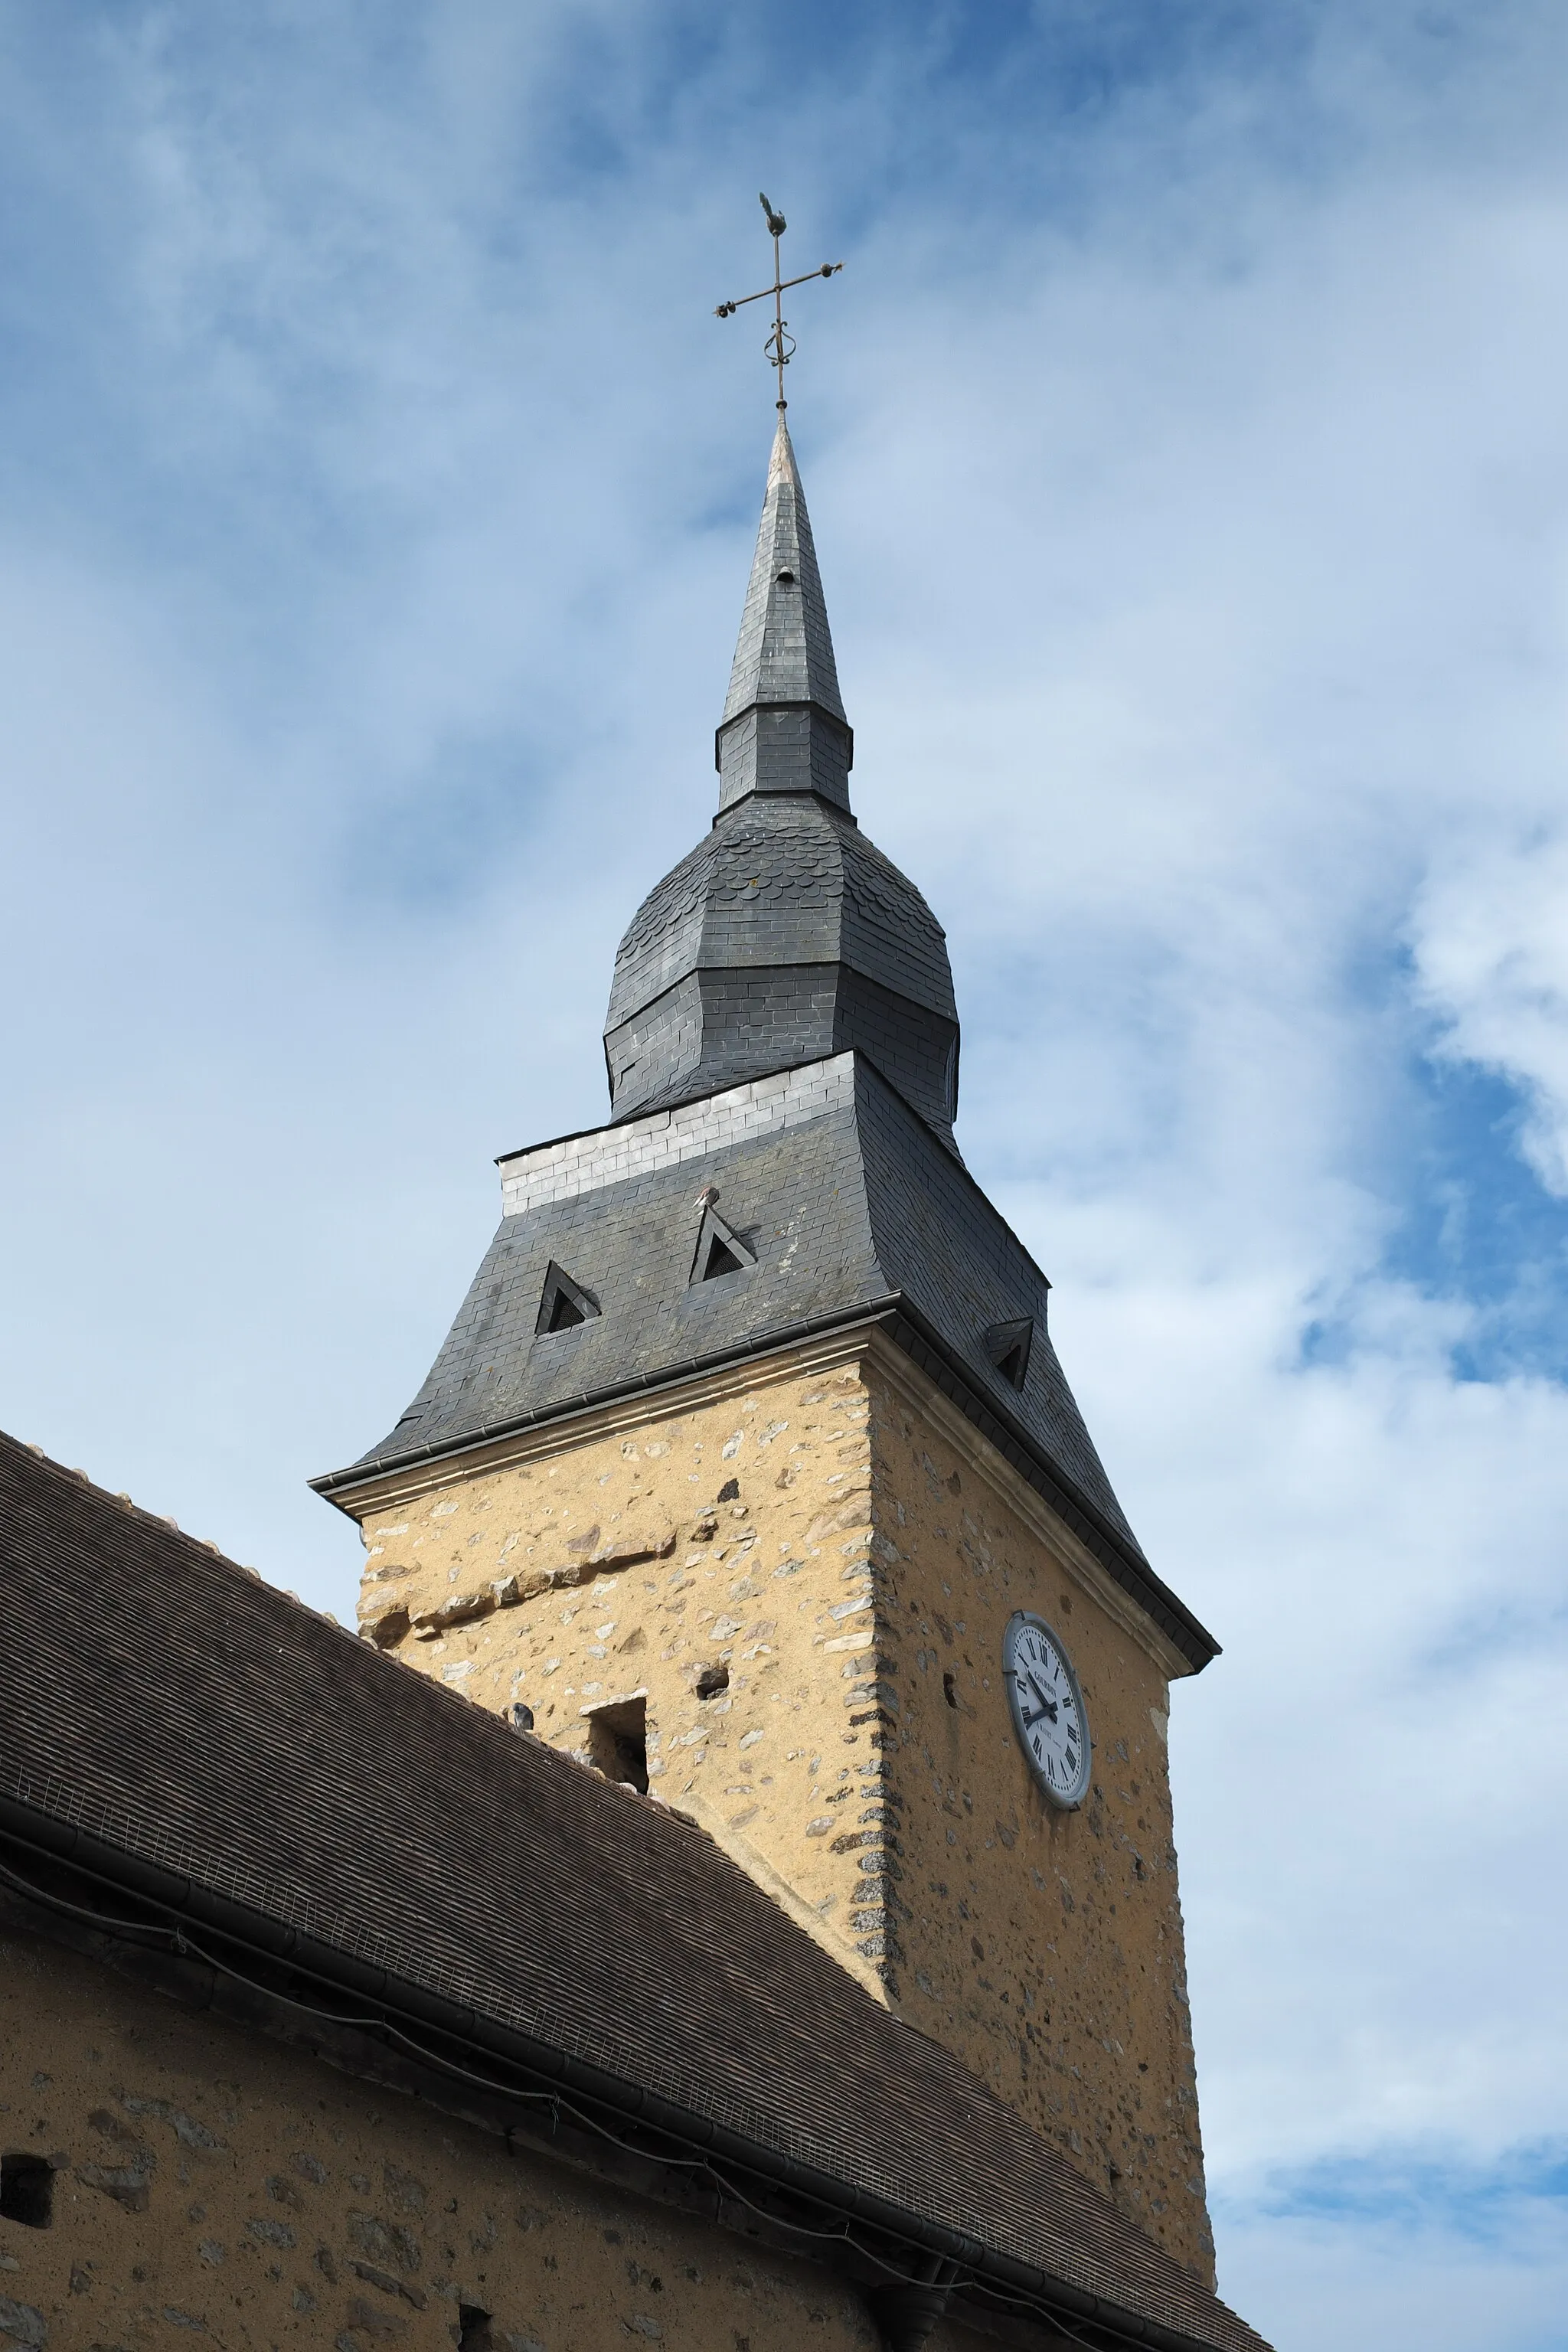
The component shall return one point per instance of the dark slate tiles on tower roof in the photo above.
(853, 1209)
(780, 887)
(784, 882)
(784, 652)
(783, 729)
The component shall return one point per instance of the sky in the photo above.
(1186, 453)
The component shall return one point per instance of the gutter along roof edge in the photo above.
(276, 1943)
(333, 1483)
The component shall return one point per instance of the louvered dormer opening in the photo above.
(1008, 1346)
(564, 1304)
(720, 1248)
(722, 1259)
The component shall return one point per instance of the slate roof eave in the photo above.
(331, 1484)
(901, 1320)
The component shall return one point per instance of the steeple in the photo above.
(761, 1343)
(783, 729)
(785, 934)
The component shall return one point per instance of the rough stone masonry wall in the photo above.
(816, 1538)
(216, 2188)
(731, 1539)
(1045, 1947)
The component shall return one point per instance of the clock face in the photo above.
(1048, 1708)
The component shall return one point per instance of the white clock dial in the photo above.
(1048, 1708)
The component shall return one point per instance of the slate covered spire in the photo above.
(783, 729)
(786, 935)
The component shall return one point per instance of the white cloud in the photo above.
(1489, 936)
(1190, 483)
(1448, 2262)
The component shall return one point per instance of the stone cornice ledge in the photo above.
(1181, 1644)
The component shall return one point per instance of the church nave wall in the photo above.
(214, 2186)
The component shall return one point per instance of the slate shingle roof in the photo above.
(783, 881)
(783, 890)
(156, 1695)
(847, 1206)
(784, 651)
(853, 1208)
(783, 729)
(785, 934)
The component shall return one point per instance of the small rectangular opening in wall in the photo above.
(27, 2190)
(474, 2333)
(617, 1740)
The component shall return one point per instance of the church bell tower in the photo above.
(748, 1472)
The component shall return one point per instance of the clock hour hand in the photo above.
(1047, 1705)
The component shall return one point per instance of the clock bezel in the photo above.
(1021, 1617)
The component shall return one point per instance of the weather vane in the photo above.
(780, 344)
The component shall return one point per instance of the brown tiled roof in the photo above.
(174, 1705)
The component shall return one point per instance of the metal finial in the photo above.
(780, 344)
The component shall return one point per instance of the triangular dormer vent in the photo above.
(720, 1249)
(1008, 1346)
(564, 1304)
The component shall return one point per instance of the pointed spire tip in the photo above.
(783, 660)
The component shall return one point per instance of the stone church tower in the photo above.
(748, 1472)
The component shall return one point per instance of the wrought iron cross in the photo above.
(780, 344)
